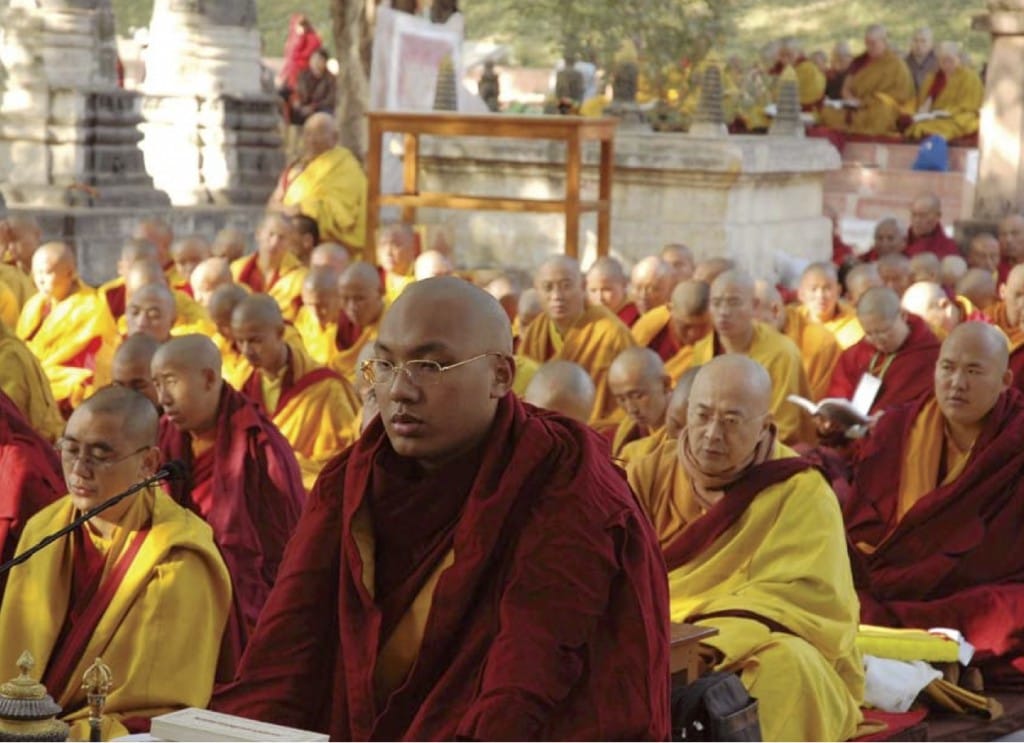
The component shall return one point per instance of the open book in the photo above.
(856, 409)
(930, 115)
(201, 724)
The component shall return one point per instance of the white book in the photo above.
(193, 724)
(857, 409)
(930, 115)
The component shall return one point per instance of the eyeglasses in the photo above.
(421, 372)
(729, 423)
(95, 459)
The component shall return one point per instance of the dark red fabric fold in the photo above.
(629, 313)
(117, 299)
(936, 241)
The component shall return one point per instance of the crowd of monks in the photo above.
(927, 90)
(412, 506)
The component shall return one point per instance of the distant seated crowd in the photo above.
(413, 507)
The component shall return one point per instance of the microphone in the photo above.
(172, 470)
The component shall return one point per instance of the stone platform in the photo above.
(745, 197)
(98, 233)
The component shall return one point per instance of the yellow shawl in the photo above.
(332, 190)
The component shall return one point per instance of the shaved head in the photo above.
(230, 244)
(136, 415)
(189, 253)
(431, 263)
(895, 272)
(709, 269)
(652, 281)
(819, 291)
(680, 258)
(151, 309)
(54, 271)
(142, 273)
(882, 319)
(881, 301)
(769, 305)
(135, 249)
(257, 328)
(970, 375)
(186, 371)
(361, 294)
(1012, 294)
(562, 387)
(208, 276)
(678, 401)
(929, 301)
(319, 134)
(859, 279)
(222, 303)
(890, 237)
(926, 267)
(979, 286)
(191, 351)
(953, 269)
(925, 213)
(559, 284)
(638, 381)
(608, 267)
(131, 365)
(732, 306)
(607, 283)
(331, 255)
(529, 307)
(321, 279)
(262, 309)
(689, 314)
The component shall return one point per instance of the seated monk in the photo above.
(242, 477)
(1011, 243)
(67, 326)
(889, 237)
(651, 283)
(24, 382)
(230, 244)
(735, 330)
(151, 311)
(273, 269)
(754, 544)
(932, 304)
(188, 253)
(1012, 293)
(430, 264)
(978, 286)
(472, 568)
(983, 252)
(312, 406)
(326, 183)
(330, 255)
(608, 285)
(324, 328)
(898, 349)
(189, 315)
(954, 268)
(362, 302)
(528, 309)
(810, 78)
(207, 276)
(878, 86)
(926, 233)
(640, 386)
(671, 329)
(160, 234)
(397, 248)
(131, 368)
(31, 472)
(949, 100)
(562, 387)
(569, 330)
(937, 501)
(680, 258)
(114, 290)
(859, 279)
(19, 238)
(926, 267)
(819, 349)
(895, 272)
(234, 368)
(819, 302)
(112, 584)
(9, 307)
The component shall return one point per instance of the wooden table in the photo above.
(573, 130)
(684, 658)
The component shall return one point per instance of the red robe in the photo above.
(551, 623)
(255, 500)
(1017, 367)
(909, 376)
(952, 560)
(935, 242)
(628, 313)
(665, 344)
(117, 300)
(32, 477)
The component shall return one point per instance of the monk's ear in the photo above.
(150, 461)
(666, 383)
(209, 378)
(504, 374)
(1007, 377)
(1002, 291)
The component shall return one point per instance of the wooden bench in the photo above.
(684, 655)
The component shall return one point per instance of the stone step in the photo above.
(902, 156)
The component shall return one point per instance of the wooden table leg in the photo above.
(572, 195)
(410, 173)
(604, 213)
(373, 154)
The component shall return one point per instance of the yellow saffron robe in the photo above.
(844, 325)
(320, 421)
(630, 443)
(59, 339)
(649, 324)
(594, 340)
(332, 190)
(161, 633)
(9, 308)
(810, 82)
(781, 359)
(818, 348)
(885, 88)
(525, 369)
(23, 380)
(344, 361)
(784, 559)
(286, 288)
(319, 340)
(961, 98)
(191, 317)
(233, 368)
(18, 282)
(394, 285)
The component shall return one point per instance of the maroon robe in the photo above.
(629, 313)
(953, 559)
(32, 477)
(552, 622)
(909, 376)
(935, 241)
(255, 499)
(117, 299)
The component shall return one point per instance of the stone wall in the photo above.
(748, 198)
(97, 233)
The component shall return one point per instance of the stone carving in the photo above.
(445, 94)
(709, 121)
(787, 121)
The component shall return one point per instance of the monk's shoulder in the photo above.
(606, 324)
(649, 324)
(46, 521)
(179, 529)
(805, 496)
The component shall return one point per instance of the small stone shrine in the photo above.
(27, 712)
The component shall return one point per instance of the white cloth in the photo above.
(893, 685)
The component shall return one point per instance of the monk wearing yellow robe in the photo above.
(754, 544)
(19, 282)
(819, 302)
(9, 308)
(818, 347)
(115, 291)
(877, 88)
(362, 302)
(562, 387)
(67, 326)
(313, 407)
(234, 368)
(327, 184)
(397, 249)
(273, 269)
(569, 330)
(810, 79)
(670, 330)
(141, 585)
(320, 322)
(23, 380)
(640, 386)
(188, 315)
(953, 89)
(736, 331)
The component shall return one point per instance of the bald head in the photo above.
(330, 255)
(983, 252)
(652, 280)
(971, 373)
(678, 401)
(361, 294)
(929, 301)
(732, 306)
(151, 309)
(222, 304)
(925, 214)
(191, 351)
(230, 244)
(890, 237)
(137, 418)
(769, 307)
(431, 263)
(895, 272)
(131, 365)
(1011, 238)
(506, 290)
(186, 372)
(207, 277)
(319, 134)
(1012, 294)
(709, 269)
(189, 253)
(528, 307)
(142, 273)
(954, 268)
(607, 283)
(859, 279)
(638, 381)
(158, 232)
(680, 258)
(136, 249)
(881, 301)
(562, 387)
(257, 329)
(258, 308)
(926, 267)
(979, 286)
(559, 284)
(54, 271)
(819, 291)
(689, 315)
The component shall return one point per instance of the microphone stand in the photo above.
(170, 471)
